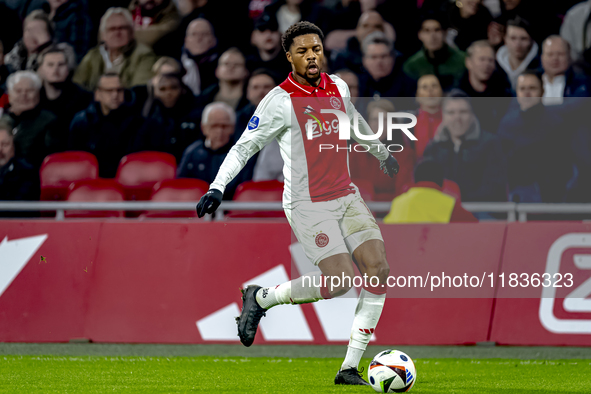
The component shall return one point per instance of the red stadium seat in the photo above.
(183, 189)
(258, 191)
(59, 170)
(95, 190)
(451, 188)
(139, 172)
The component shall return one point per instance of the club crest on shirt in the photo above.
(335, 102)
(321, 240)
(253, 123)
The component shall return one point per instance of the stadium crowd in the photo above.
(497, 86)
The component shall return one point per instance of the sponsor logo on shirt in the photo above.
(315, 128)
(316, 125)
(322, 122)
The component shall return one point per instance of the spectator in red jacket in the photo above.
(429, 97)
(364, 171)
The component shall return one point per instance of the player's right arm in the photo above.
(388, 163)
(270, 118)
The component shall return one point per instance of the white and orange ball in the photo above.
(392, 371)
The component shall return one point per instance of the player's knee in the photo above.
(383, 272)
(341, 284)
(378, 268)
(344, 285)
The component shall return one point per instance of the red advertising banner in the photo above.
(547, 283)
(453, 249)
(177, 281)
(44, 279)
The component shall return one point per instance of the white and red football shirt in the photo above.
(291, 113)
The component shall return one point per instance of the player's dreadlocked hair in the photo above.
(299, 29)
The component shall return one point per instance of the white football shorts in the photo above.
(332, 227)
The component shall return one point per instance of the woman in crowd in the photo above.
(38, 34)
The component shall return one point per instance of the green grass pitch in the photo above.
(100, 374)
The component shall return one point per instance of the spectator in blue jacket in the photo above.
(484, 79)
(59, 94)
(535, 143)
(108, 127)
(268, 53)
(383, 75)
(468, 20)
(72, 24)
(19, 180)
(560, 80)
(203, 158)
(470, 156)
(230, 88)
(172, 122)
(351, 56)
(34, 129)
(12, 29)
(4, 72)
(261, 82)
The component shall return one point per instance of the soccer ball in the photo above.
(392, 371)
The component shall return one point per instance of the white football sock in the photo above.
(307, 288)
(368, 312)
(352, 358)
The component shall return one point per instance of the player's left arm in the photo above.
(388, 163)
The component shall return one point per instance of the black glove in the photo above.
(209, 202)
(390, 166)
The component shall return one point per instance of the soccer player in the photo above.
(322, 205)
